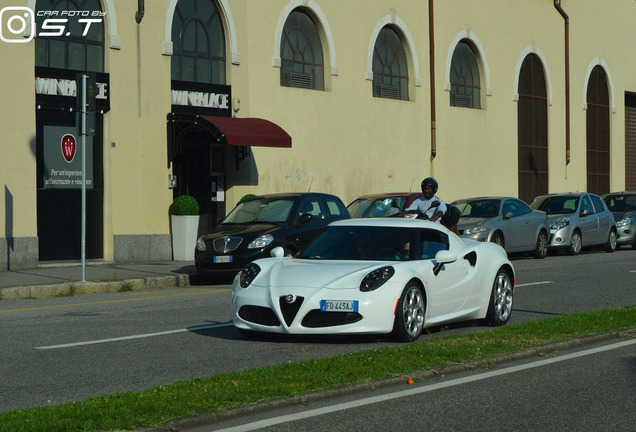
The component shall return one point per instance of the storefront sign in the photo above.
(57, 88)
(201, 98)
(63, 158)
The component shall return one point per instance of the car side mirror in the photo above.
(584, 213)
(395, 205)
(305, 217)
(443, 257)
(277, 252)
(507, 215)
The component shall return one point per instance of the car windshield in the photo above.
(378, 207)
(486, 208)
(360, 243)
(260, 210)
(621, 203)
(556, 204)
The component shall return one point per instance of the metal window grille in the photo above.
(300, 80)
(389, 91)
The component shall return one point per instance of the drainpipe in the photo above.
(139, 15)
(431, 41)
(557, 5)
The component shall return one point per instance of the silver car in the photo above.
(507, 221)
(577, 220)
(623, 207)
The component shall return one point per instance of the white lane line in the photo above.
(376, 399)
(140, 336)
(534, 283)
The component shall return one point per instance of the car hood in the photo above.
(552, 218)
(620, 215)
(318, 274)
(467, 222)
(225, 230)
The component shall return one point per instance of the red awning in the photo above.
(250, 131)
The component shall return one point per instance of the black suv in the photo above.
(259, 224)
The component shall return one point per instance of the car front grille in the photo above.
(316, 318)
(226, 244)
(290, 307)
(259, 315)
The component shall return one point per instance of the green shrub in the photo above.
(184, 205)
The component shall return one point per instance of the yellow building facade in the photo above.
(491, 97)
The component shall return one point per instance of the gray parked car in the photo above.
(623, 207)
(577, 220)
(507, 221)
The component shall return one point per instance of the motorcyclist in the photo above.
(429, 206)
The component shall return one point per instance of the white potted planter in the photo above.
(184, 219)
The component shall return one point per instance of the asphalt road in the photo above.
(59, 350)
(591, 388)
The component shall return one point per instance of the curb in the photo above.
(67, 289)
(538, 351)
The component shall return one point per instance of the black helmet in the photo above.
(430, 181)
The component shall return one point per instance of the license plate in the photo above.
(222, 259)
(339, 305)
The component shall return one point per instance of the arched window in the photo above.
(390, 70)
(198, 43)
(464, 77)
(532, 121)
(71, 50)
(598, 133)
(301, 55)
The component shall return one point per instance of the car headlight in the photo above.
(248, 274)
(201, 246)
(376, 278)
(561, 223)
(624, 221)
(261, 242)
(476, 230)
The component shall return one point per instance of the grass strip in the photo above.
(224, 392)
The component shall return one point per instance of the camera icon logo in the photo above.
(14, 21)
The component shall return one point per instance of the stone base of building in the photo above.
(142, 248)
(18, 253)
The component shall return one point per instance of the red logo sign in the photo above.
(69, 147)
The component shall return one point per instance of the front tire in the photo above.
(541, 248)
(409, 316)
(610, 246)
(576, 244)
(497, 238)
(500, 305)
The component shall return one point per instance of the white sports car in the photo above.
(379, 276)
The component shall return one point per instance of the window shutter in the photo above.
(389, 91)
(464, 101)
(630, 148)
(300, 80)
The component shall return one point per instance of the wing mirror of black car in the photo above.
(394, 204)
(305, 217)
(507, 215)
(277, 252)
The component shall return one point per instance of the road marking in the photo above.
(451, 383)
(117, 301)
(533, 283)
(140, 336)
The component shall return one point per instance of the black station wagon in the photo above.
(259, 224)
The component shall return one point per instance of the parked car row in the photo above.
(567, 221)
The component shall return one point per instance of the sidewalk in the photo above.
(58, 279)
